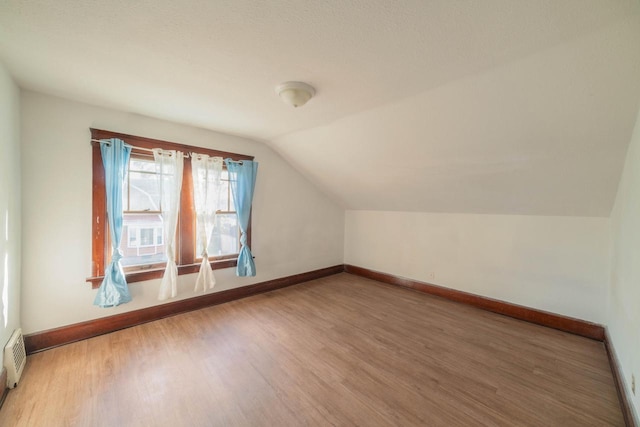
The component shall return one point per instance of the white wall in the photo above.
(9, 207)
(623, 320)
(558, 264)
(295, 227)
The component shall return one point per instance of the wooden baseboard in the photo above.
(3, 386)
(625, 401)
(552, 320)
(79, 331)
(54, 337)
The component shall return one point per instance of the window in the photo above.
(226, 232)
(143, 236)
(142, 243)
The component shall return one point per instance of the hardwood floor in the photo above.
(341, 350)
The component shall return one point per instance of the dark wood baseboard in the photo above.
(552, 320)
(79, 331)
(66, 334)
(625, 402)
(3, 386)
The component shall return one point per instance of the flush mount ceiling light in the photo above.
(295, 93)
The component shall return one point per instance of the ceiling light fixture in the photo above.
(295, 93)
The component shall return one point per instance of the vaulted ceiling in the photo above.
(510, 106)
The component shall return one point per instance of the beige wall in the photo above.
(558, 264)
(295, 227)
(9, 207)
(623, 318)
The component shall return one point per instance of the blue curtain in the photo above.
(115, 158)
(242, 178)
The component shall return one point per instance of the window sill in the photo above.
(141, 276)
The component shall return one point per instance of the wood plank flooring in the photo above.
(339, 351)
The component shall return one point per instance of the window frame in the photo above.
(186, 258)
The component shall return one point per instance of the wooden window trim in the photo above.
(185, 254)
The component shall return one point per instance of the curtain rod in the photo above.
(186, 156)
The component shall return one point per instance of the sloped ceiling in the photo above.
(515, 107)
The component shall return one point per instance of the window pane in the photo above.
(144, 192)
(146, 237)
(224, 195)
(142, 242)
(133, 237)
(142, 165)
(226, 238)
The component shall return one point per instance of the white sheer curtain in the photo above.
(206, 196)
(169, 166)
